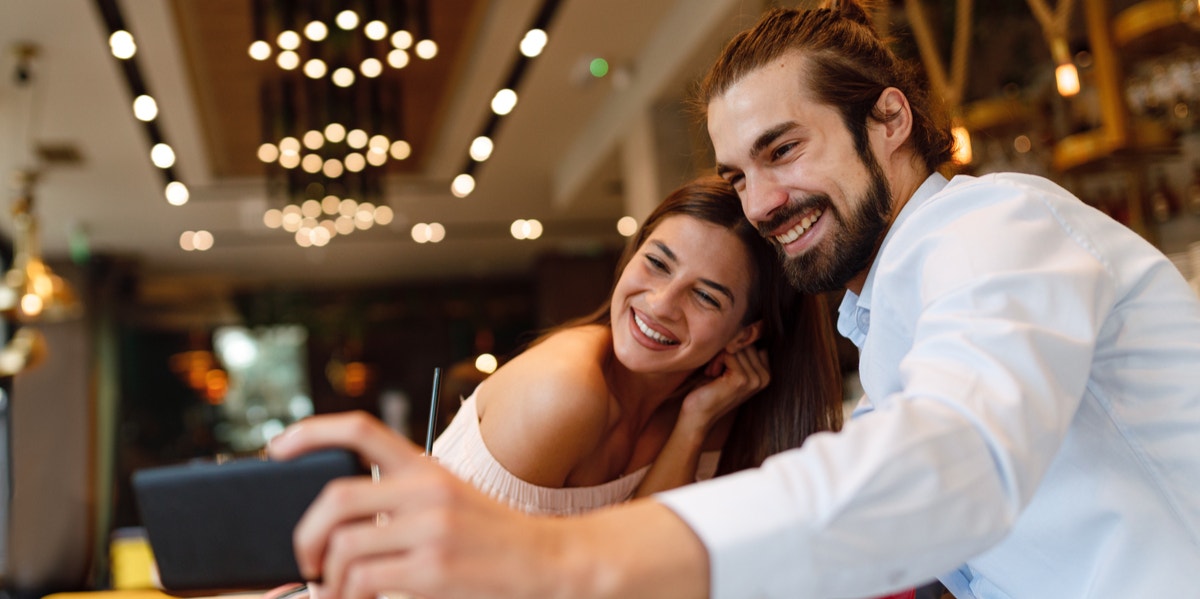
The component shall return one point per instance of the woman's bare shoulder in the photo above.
(571, 359)
(586, 340)
(548, 408)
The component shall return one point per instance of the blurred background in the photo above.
(221, 216)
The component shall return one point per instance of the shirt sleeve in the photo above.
(991, 315)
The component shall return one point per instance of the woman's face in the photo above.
(682, 297)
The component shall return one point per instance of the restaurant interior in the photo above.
(223, 216)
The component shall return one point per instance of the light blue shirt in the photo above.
(1034, 423)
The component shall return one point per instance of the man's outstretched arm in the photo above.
(421, 530)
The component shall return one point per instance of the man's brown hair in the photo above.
(848, 67)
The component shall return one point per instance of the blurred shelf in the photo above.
(1145, 137)
(1152, 26)
(992, 113)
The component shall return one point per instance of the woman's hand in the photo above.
(735, 378)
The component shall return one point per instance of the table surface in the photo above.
(137, 594)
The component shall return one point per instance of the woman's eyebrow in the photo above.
(662, 247)
(719, 287)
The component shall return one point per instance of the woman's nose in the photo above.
(664, 301)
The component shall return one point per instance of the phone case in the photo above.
(219, 527)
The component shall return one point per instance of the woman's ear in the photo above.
(747, 335)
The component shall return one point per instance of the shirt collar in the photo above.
(850, 324)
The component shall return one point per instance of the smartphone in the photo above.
(216, 527)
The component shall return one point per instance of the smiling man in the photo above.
(1033, 370)
(825, 202)
(1033, 428)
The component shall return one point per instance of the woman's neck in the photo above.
(640, 394)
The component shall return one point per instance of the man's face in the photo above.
(800, 179)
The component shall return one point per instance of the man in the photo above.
(1033, 370)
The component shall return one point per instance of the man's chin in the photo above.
(812, 279)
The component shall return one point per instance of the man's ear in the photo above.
(896, 127)
(747, 335)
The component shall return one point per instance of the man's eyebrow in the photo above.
(769, 136)
(765, 139)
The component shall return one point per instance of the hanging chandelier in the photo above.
(341, 40)
(326, 149)
(30, 290)
(333, 119)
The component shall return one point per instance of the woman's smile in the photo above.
(650, 335)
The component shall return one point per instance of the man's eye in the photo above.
(782, 150)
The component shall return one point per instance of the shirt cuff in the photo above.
(746, 522)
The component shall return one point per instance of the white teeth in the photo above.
(651, 333)
(795, 232)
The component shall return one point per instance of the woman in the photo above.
(619, 403)
(669, 374)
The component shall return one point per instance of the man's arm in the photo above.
(980, 346)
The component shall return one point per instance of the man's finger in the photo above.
(356, 431)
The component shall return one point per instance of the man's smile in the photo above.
(801, 226)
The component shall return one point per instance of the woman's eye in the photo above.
(656, 263)
(707, 298)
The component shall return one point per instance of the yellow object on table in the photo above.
(131, 560)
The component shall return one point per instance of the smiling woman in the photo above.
(703, 362)
(682, 299)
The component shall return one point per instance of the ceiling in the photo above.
(577, 153)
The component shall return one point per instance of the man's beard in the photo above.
(829, 265)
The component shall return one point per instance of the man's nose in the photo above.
(761, 198)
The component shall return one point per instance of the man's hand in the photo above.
(421, 530)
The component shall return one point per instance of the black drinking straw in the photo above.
(433, 407)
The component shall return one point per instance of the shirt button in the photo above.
(864, 319)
